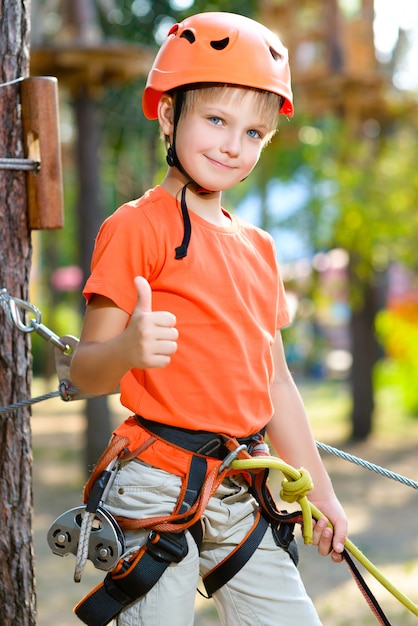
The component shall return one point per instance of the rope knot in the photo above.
(295, 489)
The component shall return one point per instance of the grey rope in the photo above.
(64, 393)
(22, 403)
(367, 465)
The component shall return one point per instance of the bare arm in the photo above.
(112, 342)
(290, 433)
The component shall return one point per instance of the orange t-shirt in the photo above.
(228, 299)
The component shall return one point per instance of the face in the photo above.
(219, 139)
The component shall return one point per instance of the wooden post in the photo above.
(40, 118)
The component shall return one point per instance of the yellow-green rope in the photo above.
(295, 487)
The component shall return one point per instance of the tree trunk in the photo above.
(364, 353)
(90, 216)
(17, 581)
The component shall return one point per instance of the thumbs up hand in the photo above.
(152, 335)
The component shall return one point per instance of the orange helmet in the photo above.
(219, 47)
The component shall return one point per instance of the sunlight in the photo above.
(388, 21)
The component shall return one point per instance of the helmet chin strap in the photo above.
(181, 251)
(173, 161)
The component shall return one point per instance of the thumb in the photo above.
(144, 292)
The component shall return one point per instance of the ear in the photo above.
(166, 114)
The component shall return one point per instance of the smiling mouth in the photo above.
(221, 165)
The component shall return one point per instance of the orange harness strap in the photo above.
(114, 451)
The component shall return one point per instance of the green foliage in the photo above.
(362, 189)
(140, 20)
(397, 329)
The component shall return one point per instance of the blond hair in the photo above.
(265, 102)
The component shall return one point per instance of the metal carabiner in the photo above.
(13, 307)
(231, 457)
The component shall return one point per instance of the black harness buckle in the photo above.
(170, 547)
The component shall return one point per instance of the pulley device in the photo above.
(105, 544)
(89, 531)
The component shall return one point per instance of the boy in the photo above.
(185, 306)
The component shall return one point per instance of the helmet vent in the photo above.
(187, 34)
(221, 44)
(276, 56)
(173, 30)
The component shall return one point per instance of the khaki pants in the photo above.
(267, 591)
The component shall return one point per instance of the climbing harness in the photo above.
(129, 580)
(136, 573)
(90, 532)
(125, 580)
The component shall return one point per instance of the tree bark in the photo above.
(17, 580)
(364, 353)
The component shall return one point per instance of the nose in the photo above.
(232, 144)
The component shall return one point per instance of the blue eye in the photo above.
(254, 134)
(215, 120)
